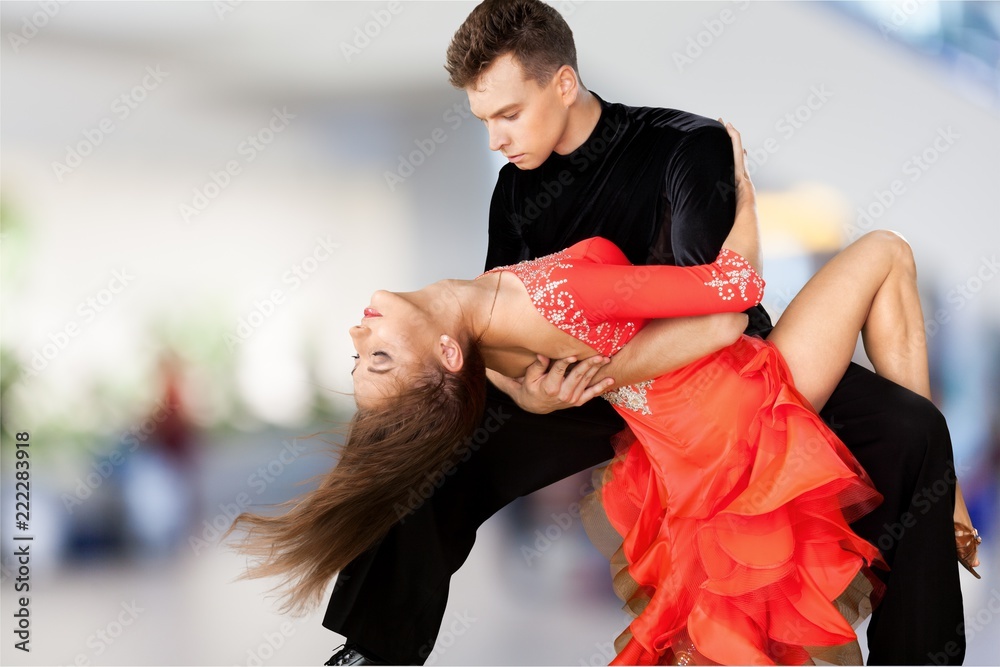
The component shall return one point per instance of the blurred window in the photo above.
(962, 35)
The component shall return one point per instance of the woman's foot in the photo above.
(967, 542)
(967, 538)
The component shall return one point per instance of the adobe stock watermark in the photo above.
(32, 25)
(107, 464)
(787, 126)
(547, 536)
(548, 192)
(121, 108)
(259, 480)
(922, 501)
(604, 654)
(88, 309)
(224, 7)
(974, 624)
(963, 293)
(364, 34)
(294, 277)
(104, 637)
(566, 7)
(732, 283)
(914, 168)
(408, 163)
(900, 15)
(462, 452)
(451, 629)
(271, 643)
(762, 497)
(712, 30)
(248, 150)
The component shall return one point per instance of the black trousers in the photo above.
(391, 600)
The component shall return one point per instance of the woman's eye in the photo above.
(355, 356)
(379, 353)
(513, 116)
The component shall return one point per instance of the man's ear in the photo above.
(567, 84)
(450, 353)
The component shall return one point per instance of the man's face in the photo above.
(525, 120)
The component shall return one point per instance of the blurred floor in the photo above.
(188, 612)
(555, 608)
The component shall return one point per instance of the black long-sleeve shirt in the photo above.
(656, 182)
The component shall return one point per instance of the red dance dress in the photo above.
(725, 513)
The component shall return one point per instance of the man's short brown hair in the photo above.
(532, 31)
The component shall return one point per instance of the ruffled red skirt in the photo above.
(725, 516)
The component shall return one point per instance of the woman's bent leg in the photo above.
(869, 287)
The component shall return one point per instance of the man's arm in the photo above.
(699, 186)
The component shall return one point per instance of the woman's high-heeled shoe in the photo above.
(967, 541)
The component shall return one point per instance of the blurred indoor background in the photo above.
(199, 198)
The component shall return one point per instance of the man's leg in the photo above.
(902, 441)
(390, 601)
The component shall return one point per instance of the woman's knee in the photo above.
(893, 245)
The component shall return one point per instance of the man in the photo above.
(658, 183)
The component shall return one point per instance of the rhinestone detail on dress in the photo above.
(560, 307)
(632, 397)
(733, 275)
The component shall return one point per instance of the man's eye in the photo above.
(513, 116)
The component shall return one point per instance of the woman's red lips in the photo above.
(371, 312)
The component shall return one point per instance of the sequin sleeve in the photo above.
(729, 284)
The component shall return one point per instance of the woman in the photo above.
(731, 499)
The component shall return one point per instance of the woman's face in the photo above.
(394, 343)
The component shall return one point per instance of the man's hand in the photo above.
(544, 388)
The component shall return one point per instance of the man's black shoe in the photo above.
(348, 655)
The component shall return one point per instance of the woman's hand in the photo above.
(746, 196)
(744, 237)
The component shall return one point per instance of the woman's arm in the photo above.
(662, 346)
(660, 291)
(666, 345)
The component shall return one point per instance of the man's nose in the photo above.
(498, 139)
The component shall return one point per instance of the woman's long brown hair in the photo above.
(389, 451)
